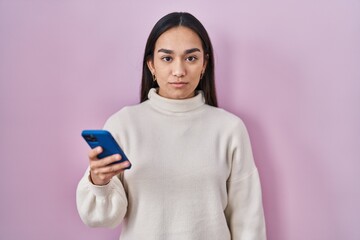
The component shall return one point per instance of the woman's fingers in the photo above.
(102, 170)
(94, 153)
(114, 168)
(118, 168)
(102, 176)
(99, 163)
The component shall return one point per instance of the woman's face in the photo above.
(178, 63)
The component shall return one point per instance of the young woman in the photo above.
(193, 175)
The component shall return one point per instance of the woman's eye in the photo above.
(166, 59)
(191, 59)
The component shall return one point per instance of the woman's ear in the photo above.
(206, 59)
(150, 65)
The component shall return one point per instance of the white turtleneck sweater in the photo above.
(193, 175)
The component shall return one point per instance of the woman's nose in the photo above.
(178, 69)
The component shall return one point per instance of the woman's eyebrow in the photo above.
(191, 50)
(167, 51)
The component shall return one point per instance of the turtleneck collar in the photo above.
(176, 105)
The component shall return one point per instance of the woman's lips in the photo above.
(178, 84)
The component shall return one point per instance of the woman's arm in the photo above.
(101, 206)
(244, 212)
(101, 199)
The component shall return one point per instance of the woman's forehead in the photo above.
(178, 39)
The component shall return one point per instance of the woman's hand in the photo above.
(101, 170)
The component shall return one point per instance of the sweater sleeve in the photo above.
(101, 206)
(244, 212)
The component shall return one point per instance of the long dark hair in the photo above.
(176, 19)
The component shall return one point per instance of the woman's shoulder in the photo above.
(225, 118)
(126, 111)
(125, 114)
(223, 114)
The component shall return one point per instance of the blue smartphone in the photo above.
(104, 139)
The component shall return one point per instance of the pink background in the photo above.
(290, 69)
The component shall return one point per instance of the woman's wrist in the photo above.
(92, 181)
